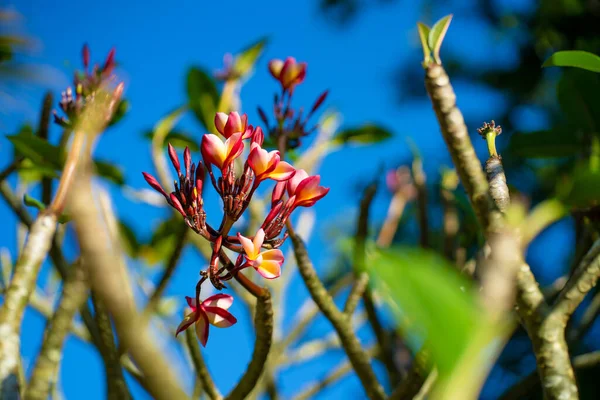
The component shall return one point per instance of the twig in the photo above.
(361, 281)
(523, 388)
(43, 133)
(341, 323)
(116, 387)
(263, 321)
(390, 225)
(73, 295)
(584, 278)
(420, 179)
(12, 167)
(202, 373)
(417, 375)
(450, 216)
(586, 321)
(335, 375)
(169, 269)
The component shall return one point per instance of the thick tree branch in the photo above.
(459, 144)
(109, 280)
(358, 357)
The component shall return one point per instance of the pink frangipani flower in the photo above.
(289, 72)
(211, 311)
(304, 189)
(267, 263)
(227, 125)
(219, 153)
(267, 165)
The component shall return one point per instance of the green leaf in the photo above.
(203, 96)
(179, 140)
(431, 299)
(128, 239)
(574, 58)
(436, 36)
(38, 150)
(558, 142)
(120, 112)
(423, 36)
(33, 202)
(245, 61)
(110, 171)
(366, 134)
(160, 245)
(578, 97)
(580, 189)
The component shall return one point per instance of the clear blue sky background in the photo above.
(156, 42)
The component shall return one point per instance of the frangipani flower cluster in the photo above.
(86, 83)
(290, 124)
(236, 187)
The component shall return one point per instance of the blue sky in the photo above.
(157, 42)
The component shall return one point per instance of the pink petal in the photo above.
(191, 302)
(234, 124)
(213, 150)
(177, 204)
(248, 246)
(187, 321)
(258, 136)
(234, 148)
(293, 183)
(220, 300)
(174, 158)
(258, 159)
(278, 191)
(282, 172)
(220, 121)
(219, 317)
(259, 238)
(269, 269)
(202, 329)
(275, 67)
(274, 255)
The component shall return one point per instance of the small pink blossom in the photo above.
(289, 72)
(305, 190)
(227, 125)
(211, 311)
(219, 153)
(267, 165)
(267, 263)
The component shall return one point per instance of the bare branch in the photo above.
(341, 323)
(73, 296)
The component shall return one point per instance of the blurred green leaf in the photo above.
(245, 61)
(110, 171)
(33, 202)
(203, 96)
(119, 113)
(129, 240)
(578, 94)
(436, 36)
(558, 142)
(580, 189)
(179, 140)
(160, 245)
(38, 150)
(167, 306)
(430, 297)
(574, 58)
(366, 134)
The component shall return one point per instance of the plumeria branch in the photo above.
(341, 323)
(263, 321)
(74, 294)
(108, 277)
(202, 372)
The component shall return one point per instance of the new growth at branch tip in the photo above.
(293, 188)
(489, 132)
(431, 40)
